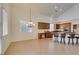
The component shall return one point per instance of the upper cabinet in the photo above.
(67, 26)
(63, 26)
(58, 26)
(75, 26)
(42, 25)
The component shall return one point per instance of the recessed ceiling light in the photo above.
(55, 7)
(61, 10)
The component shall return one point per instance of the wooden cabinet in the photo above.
(44, 35)
(75, 26)
(48, 35)
(67, 26)
(42, 25)
(58, 26)
(41, 35)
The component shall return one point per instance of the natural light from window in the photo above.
(5, 22)
(24, 27)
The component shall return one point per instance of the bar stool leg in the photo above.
(64, 40)
(77, 41)
(61, 40)
(69, 41)
(57, 39)
(72, 41)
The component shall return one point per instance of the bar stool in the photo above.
(63, 35)
(59, 38)
(77, 37)
(67, 40)
(72, 36)
(56, 35)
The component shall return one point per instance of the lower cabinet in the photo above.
(45, 35)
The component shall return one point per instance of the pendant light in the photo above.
(30, 23)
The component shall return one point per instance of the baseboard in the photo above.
(22, 40)
(6, 49)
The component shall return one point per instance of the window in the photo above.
(24, 26)
(5, 22)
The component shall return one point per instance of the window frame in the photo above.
(4, 26)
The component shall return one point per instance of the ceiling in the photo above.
(46, 9)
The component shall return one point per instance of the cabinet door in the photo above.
(67, 26)
(57, 26)
(75, 26)
(41, 35)
(48, 35)
(42, 25)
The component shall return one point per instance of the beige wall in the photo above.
(21, 12)
(15, 14)
(7, 39)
